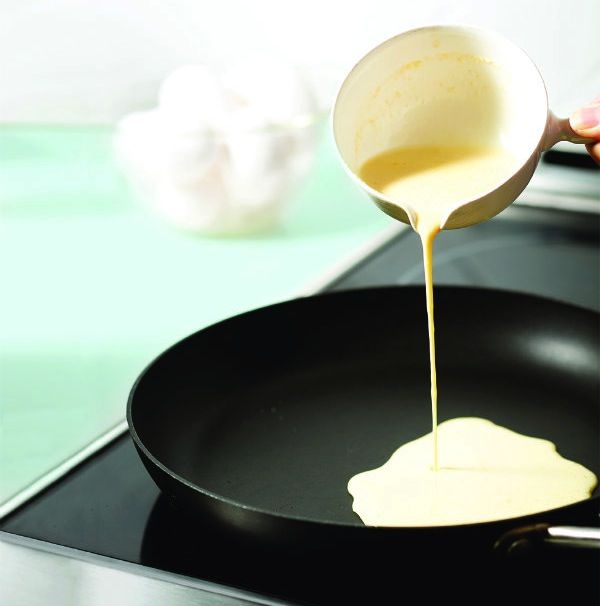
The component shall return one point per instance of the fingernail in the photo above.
(586, 118)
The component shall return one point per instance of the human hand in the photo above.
(586, 122)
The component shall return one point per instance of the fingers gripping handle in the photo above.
(559, 129)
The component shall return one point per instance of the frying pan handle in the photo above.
(528, 538)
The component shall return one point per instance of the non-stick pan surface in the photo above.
(258, 422)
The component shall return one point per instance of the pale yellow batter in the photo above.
(487, 472)
(433, 181)
(484, 472)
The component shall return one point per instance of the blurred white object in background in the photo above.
(223, 150)
(192, 97)
(266, 83)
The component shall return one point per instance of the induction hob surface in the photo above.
(109, 506)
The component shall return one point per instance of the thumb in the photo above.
(586, 120)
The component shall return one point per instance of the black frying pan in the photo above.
(256, 423)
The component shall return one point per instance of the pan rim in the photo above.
(333, 523)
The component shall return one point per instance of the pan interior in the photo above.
(278, 408)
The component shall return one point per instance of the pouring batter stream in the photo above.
(479, 471)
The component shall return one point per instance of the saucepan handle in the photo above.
(529, 538)
(559, 129)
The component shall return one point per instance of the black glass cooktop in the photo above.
(108, 505)
(544, 252)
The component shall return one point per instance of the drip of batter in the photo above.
(428, 230)
(485, 472)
